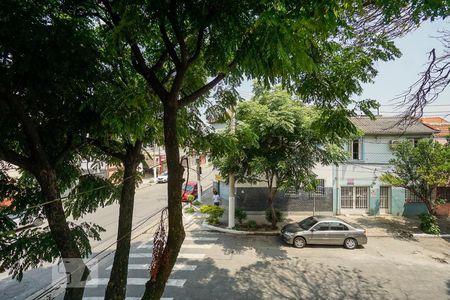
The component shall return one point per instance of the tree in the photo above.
(130, 120)
(49, 64)
(433, 81)
(278, 143)
(420, 168)
(184, 49)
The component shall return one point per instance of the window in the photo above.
(322, 226)
(355, 149)
(338, 226)
(414, 141)
(411, 197)
(320, 187)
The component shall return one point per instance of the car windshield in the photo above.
(307, 223)
(188, 188)
(164, 174)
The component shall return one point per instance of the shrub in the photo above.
(429, 223)
(278, 215)
(189, 210)
(197, 203)
(251, 224)
(214, 212)
(240, 215)
(190, 199)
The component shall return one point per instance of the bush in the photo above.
(240, 215)
(429, 224)
(197, 203)
(278, 215)
(251, 224)
(190, 198)
(214, 212)
(189, 210)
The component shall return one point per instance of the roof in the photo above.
(438, 123)
(391, 126)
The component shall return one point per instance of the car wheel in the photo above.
(299, 242)
(350, 243)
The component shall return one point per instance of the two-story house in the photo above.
(356, 184)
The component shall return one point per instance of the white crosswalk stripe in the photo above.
(134, 281)
(189, 246)
(178, 267)
(127, 298)
(181, 255)
(188, 238)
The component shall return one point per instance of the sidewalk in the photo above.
(376, 226)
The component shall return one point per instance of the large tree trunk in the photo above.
(155, 289)
(117, 285)
(272, 193)
(76, 270)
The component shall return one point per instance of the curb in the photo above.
(444, 235)
(271, 233)
(238, 232)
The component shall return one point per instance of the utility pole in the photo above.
(199, 179)
(232, 194)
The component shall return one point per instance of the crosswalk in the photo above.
(139, 264)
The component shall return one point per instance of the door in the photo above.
(385, 199)
(319, 233)
(337, 234)
(354, 199)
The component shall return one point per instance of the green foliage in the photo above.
(214, 212)
(196, 203)
(32, 247)
(429, 224)
(278, 215)
(189, 210)
(240, 215)
(420, 168)
(251, 224)
(190, 198)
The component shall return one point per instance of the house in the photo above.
(352, 187)
(356, 184)
(441, 125)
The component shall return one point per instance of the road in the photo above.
(212, 265)
(149, 199)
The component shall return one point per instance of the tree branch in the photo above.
(198, 47)
(160, 62)
(107, 149)
(15, 158)
(137, 59)
(206, 88)
(170, 48)
(172, 16)
(29, 128)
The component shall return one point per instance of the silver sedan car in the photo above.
(323, 230)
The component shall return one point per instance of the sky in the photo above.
(395, 77)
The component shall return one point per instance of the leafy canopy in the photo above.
(420, 168)
(276, 139)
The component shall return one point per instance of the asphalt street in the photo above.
(149, 199)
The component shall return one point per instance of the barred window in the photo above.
(411, 197)
(320, 188)
(443, 193)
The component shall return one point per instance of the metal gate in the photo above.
(347, 197)
(355, 198)
(385, 195)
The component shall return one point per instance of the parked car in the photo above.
(30, 221)
(323, 230)
(190, 188)
(162, 178)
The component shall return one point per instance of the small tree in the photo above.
(277, 142)
(420, 168)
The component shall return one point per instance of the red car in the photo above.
(190, 188)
